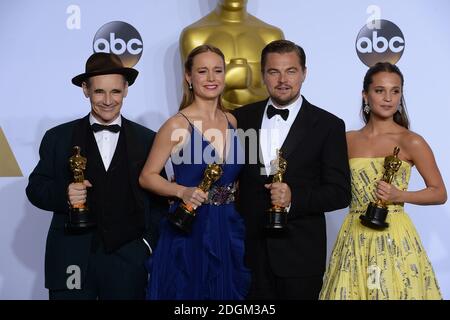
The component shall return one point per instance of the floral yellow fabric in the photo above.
(367, 264)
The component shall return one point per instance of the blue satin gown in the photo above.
(208, 263)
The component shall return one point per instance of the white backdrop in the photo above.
(39, 55)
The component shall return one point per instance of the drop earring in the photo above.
(190, 86)
(366, 108)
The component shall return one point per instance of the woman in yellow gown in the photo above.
(389, 263)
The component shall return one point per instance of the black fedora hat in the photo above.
(101, 63)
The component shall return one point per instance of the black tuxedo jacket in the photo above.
(319, 178)
(47, 190)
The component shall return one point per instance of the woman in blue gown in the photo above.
(206, 263)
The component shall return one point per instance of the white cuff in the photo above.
(146, 243)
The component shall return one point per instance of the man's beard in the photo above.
(283, 103)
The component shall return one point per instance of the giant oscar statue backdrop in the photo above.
(8, 163)
(241, 37)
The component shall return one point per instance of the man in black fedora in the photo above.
(104, 257)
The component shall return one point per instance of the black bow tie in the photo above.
(96, 127)
(271, 111)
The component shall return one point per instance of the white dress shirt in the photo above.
(274, 131)
(106, 140)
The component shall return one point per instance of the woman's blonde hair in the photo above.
(188, 93)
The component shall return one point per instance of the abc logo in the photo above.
(385, 43)
(121, 39)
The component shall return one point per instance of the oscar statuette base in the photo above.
(375, 217)
(276, 219)
(182, 218)
(80, 220)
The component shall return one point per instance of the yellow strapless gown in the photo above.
(367, 264)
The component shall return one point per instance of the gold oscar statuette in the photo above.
(375, 216)
(79, 217)
(241, 37)
(277, 215)
(184, 214)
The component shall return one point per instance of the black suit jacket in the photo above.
(47, 190)
(319, 178)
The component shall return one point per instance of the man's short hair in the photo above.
(283, 46)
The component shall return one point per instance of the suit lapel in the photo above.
(255, 122)
(80, 130)
(134, 151)
(135, 156)
(301, 125)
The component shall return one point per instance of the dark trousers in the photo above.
(111, 276)
(268, 286)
